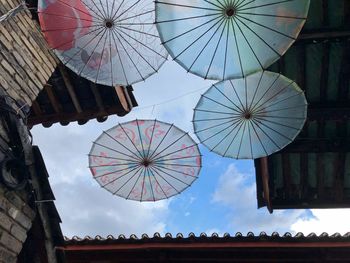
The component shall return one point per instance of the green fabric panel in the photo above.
(330, 129)
(314, 19)
(347, 171)
(335, 58)
(294, 160)
(313, 71)
(312, 170)
(336, 12)
(329, 160)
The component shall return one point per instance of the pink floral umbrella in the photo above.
(145, 160)
(110, 42)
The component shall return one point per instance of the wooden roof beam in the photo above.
(318, 145)
(328, 112)
(124, 98)
(70, 87)
(325, 35)
(97, 96)
(53, 99)
(265, 183)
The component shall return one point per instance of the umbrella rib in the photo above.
(132, 168)
(137, 31)
(234, 137)
(282, 109)
(250, 46)
(216, 49)
(269, 15)
(257, 135)
(168, 174)
(266, 134)
(90, 56)
(187, 147)
(99, 28)
(75, 8)
(112, 165)
(138, 178)
(185, 6)
(246, 94)
(277, 123)
(120, 59)
(177, 191)
(133, 153)
(257, 109)
(233, 127)
(105, 13)
(161, 141)
(235, 124)
(71, 28)
(256, 90)
(110, 56)
(278, 102)
(138, 128)
(102, 14)
(127, 181)
(250, 140)
(237, 47)
(116, 11)
(219, 103)
(155, 178)
(127, 53)
(218, 119)
(266, 91)
(206, 44)
(143, 185)
(270, 28)
(137, 15)
(104, 146)
(225, 61)
(218, 6)
(175, 164)
(59, 15)
(121, 126)
(167, 147)
(267, 126)
(179, 158)
(150, 183)
(278, 117)
(127, 10)
(239, 3)
(264, 5)
(107, 9)
(100, 63)
(151, 138)
(108, 157)
(239, 99)
(192, 29)
(217, 112)
(187, 18)
(240, 144)
(138, 41)
(176, 171)
(215, 126)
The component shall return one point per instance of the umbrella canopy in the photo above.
(145, 160)
(252, 117)
(226, 39)
(111, 42)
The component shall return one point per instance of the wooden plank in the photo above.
(53, 99)
(265, 183)
(320, 176)
(304, 176)
(339, 175)
(122, 98)
(318, 145)
(97, 96)
(70, 88)
(324, 72)
(287, 179)
(36, 108)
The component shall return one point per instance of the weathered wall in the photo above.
(15, 221)
(26, 62)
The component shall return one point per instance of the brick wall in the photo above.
(26, 63)
(15, 220)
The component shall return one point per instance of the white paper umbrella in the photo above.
(225, 39)
(145, 160)
(111, 42)
(252, 117)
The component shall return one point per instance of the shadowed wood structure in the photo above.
(314, 170)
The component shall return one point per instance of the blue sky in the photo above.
(223, 199)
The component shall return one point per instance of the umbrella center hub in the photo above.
(247, 115)
(146, 162)
(230, 11)
(108, 23)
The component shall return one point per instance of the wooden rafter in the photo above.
(97, 97)
(265, 182)
(53, 99)
(123, 98)
(70, 88)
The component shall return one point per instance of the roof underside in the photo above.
(314, 170)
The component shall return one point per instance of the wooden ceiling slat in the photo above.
(324, 72)
(318, 145)
(265, 183)
(304, 175)
(320, 176)
(287, 179)
(339, 174)
(120, 90)
(36, 108)
(53, 99)
(97, 96)
(70, 88)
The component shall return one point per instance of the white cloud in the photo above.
(237, 191)
(324, 220)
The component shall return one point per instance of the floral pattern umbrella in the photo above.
(251, 117)
(110, 42)
(225, 39)
(145, 160)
